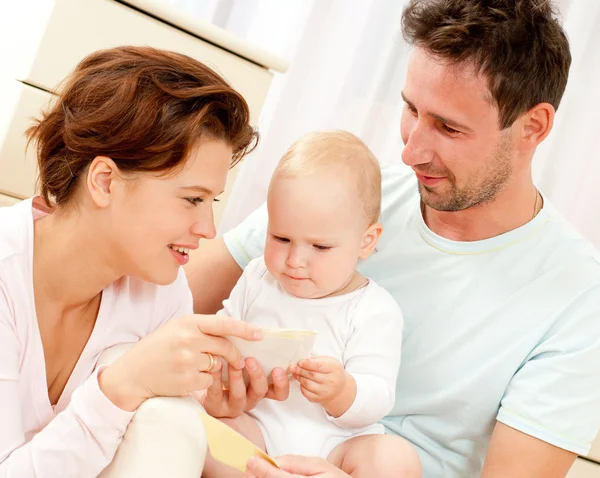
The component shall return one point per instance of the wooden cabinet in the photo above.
(75, 28)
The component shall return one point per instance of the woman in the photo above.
(131, 157)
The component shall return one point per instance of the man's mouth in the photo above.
(429, 180)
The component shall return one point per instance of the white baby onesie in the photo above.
(361, 329)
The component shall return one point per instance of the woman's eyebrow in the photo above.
(201, 189)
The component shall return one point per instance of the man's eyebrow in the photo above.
(441, 119)
(201, 189)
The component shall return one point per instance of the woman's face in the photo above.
(155, 220)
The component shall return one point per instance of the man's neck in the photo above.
(513, 207)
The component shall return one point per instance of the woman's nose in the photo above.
(205, 226)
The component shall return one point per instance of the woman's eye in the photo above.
(194, 201)
(321, 248)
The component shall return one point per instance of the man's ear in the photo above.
(100, 180)
(369, 240)
(535, 126)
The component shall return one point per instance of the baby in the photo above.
(324, 204)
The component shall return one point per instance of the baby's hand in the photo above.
(323, 380)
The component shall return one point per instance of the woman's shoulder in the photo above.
(15, 229)
(15, 261)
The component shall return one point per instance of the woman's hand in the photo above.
(241, 398)
(293, 466)
(174, 360)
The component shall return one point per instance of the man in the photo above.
(501, 297)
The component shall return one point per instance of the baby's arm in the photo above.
(372, 357)
(362, 390)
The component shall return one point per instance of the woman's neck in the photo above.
(70, 264)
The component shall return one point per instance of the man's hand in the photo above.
(293, 466)
(323, 380)
(241, 398)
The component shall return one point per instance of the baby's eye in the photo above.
(194, 201)
(321, 248)
(281, 239)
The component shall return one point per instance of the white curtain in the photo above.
(348, 65)
(567, 164)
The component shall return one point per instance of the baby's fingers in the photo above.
(310, 396)
(306, 374)
(321, 364)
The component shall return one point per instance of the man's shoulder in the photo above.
(563, 246)
(399, 190)
(397, 176)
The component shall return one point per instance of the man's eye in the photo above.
(281, 239)
(321, 248)
(412, 109)
(449, 130)
(194, 201)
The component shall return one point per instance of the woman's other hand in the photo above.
(174, 360)
(241, 398)
(293, 466)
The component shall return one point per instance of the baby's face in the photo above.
(316, 228)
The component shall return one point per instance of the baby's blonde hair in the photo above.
(323, 150)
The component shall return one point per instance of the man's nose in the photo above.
(419, 145)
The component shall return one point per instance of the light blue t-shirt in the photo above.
(505, 329)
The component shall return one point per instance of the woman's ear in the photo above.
(369, 240)
(101, 176)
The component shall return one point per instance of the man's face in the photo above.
(450, 129)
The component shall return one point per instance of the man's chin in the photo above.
(439, 201)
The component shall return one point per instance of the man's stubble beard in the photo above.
(486, 187)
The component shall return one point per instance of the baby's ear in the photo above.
(369, 240)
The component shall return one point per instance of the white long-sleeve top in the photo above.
(361, 329)
(79, 435)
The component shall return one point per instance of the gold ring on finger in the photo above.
(213, 362)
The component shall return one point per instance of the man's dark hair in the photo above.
(518, 45)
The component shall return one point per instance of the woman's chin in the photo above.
(164, 276)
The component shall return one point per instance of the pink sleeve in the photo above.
(80, 441)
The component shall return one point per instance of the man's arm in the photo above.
(211, 273)
(518, 455)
